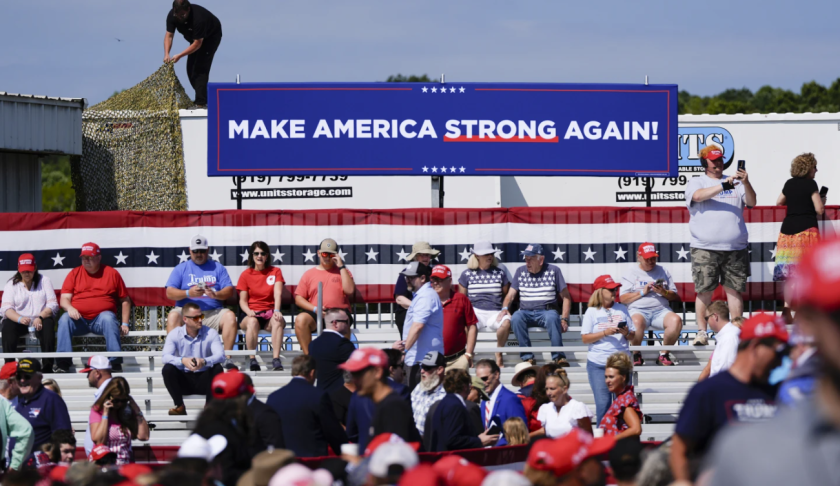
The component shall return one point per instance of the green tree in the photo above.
(812, 97)
(57, 193)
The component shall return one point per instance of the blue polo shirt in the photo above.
(426, 309)
(46, 412)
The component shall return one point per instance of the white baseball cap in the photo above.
(198, 447)
(199, 242)
(97, 363)
(392, 454)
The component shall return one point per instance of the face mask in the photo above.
(781, 372)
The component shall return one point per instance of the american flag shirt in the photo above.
(484, 287)
(536, 290)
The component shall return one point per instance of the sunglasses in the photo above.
(326, 255)
(198, 252)
(710, 316)
(428, 368)
(342, 321)
(259, 253)
(484, 378)
(196, 318)
(23, 376)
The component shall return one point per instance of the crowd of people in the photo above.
(375, 410)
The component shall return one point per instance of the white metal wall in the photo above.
(33, 124)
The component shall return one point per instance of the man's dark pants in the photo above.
(198, 68)
(179, 383)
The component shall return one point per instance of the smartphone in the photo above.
(622, 324)
(659, 282)
(194, 362)
(201, 285)
(823, 191)
(494, 429)
(742, 165)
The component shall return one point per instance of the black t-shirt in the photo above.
(200, 24)
(717, 402)
(801, 214)
(393, 414)
(340, 398)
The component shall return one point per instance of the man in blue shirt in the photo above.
(45, 410)
(206, 283)
(192, 356)
(540, 286)
(423, 328)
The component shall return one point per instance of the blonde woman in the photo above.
(607, 328)
(562, 413)
(515, 431)
(486, 282)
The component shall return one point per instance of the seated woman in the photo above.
(29, 301)
(260, 295)
(562, 413)
(624, 417)
(116, 420)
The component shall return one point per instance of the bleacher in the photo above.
(660, 389)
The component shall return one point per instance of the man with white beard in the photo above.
(430, 389)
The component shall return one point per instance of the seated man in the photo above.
(207, 284)
(647, 290)
(192, 356)
(338, 286)
(541, 286)
(89, 296)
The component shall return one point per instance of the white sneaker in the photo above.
(701, 339)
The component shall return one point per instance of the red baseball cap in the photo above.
(365, 358)
(90, 249)
(561, 456)
(8, 370)
(648, 250)
(388, 438)
(816, 279)
(422, 475)
(465, 474)
(711, 152)
(447, 463)
(26, 263)
(58, 473)
(133, 470)
(605, 282)
(230, 385)
(441, 271)
(763, 325)
(99, 452)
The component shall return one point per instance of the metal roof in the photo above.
(40, 124)
(47, 98)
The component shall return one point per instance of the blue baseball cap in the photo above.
(533, 249)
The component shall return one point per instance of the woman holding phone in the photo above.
(116, 419)
(800, 230)
(607, 328)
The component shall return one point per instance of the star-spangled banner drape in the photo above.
(584, 242)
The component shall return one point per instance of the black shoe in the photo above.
(60, 369)
(230, 365)
(254, 365)
(277, 364)
(116, 368)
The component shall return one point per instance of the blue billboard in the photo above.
(459, 129)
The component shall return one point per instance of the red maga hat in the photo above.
(762, 325)
(605, 282)
(648, 250)
(441, 271)
(816, 280)
(90, 249)
(26, 263)
(365, 358)
(230, 385)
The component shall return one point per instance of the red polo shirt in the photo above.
(458, 314)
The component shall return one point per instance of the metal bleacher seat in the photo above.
(660, 389)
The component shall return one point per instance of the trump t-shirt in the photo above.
(187, 274)
(260, 287)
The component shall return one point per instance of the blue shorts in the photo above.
(654, 318)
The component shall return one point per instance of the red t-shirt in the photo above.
(260, 287)
(333, 292)
(94, 293)
(458, 314)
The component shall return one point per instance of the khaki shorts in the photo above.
(710, 268)
(461, 363)
(212, 318)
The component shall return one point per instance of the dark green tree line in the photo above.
(813, 97)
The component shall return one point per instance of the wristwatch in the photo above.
(469, 355)
(565, 319)
(342, 267)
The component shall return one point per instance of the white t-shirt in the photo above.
(558, 424)
(717, 223)
(597, 320)
(726, 348)
(635, 281)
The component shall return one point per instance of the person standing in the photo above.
(503, 403)
(430, 389)
(421, 252)
(98, 371)
(562, 413)
(607, 328)
(486, 284)
(116, 419)
(15, 432)
(542, 287)
(89, 296)
(423, 331)
(29, 301)
(650, 289)
(459, 321)
(331, 349)
(260, 290)
(800, 230)
(204, 33)
(44, 410)
(450, 424)
(719, 238)
(206, 283)
(739, 395)
(338, 286)
(624, 417)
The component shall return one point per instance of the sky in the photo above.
(70, 48)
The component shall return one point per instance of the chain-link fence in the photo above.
(133, 155)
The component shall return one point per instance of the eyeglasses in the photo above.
(341, 321)
(326, 255)
(196, 318)
(710, 316)
(198, 252)
(259, 253)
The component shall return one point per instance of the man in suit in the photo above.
(269, 425)
(449, 426)
(331, 349)
(309, 423)
(503, 403)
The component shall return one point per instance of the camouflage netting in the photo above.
(132, 156)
